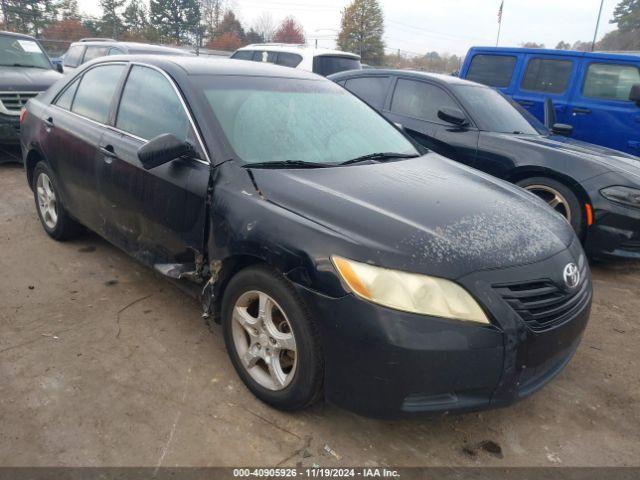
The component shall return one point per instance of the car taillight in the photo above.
(23, 115)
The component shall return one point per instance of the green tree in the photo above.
(230, 24)
(68, 9)
(29, 16)
(627, 15)
(177, 21)
(562, 45)
(111, 21)
(362, 30)
(135, 17)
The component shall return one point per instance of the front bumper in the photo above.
(387, 364)
(615, 232)
(9, 130)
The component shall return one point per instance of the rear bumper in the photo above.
(388, 364)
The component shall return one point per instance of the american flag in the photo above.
(500, 12)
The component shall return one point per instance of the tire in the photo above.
(570, 207)
(303, 367)
(59, 226)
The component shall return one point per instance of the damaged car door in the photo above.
(156, 213)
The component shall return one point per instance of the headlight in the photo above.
(409, 292)
(625, 195)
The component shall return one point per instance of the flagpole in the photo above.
(595, 35)
(499, 28)
(500, 12)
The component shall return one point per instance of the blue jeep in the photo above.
(598, 94)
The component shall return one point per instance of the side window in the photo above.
(262, 56)
(420, 100)
(492, 70)
(73, 56)
(66, 99)
(115, 51)
(547, 75)
(150, 106)
(95, 52)
(372, 90)
(243, 55)
(288, 59)
(610, 82)
(95, 92)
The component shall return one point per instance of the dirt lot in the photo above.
(103, 363)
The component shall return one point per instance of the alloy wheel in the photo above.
(47, 201)
(264, 340)
(553, 198)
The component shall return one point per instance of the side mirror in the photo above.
(163, 149)
(454, 116)
(562, 129)
(634, 95)
(59, 67)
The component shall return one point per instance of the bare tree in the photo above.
(265, 26)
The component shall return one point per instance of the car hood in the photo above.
(428, 215)
(22, 79)
(607, 158)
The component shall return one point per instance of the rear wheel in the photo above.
(271, 339)
(54, 218)
(560, 198)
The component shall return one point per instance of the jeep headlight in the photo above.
(625, 195)
(409, 292)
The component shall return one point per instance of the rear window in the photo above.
(264, 56)
(73, 56)
(243, 55)
(547, 75)
(610, 82)
(372, 90)
(328, 64)
(492, 70)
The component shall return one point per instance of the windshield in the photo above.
(492, 112)
(276, 120)
(22, 52)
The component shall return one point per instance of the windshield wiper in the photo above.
(286, 164)
(380, 157)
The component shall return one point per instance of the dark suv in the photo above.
(25, 71)
(90, 48)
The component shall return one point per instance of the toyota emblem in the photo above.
(571, 275)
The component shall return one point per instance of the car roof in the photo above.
(17, 35)
(435, 77)
(129, 45)
(560, 53)
(194, 65)
(301, 49)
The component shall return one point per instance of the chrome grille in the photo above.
(542, 304)
(12, 102)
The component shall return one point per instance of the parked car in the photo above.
(596, 189)
(25, 71)
(375, 277)
(598, 94)
(317, 60)
(91, 48)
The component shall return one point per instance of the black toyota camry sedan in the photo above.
(596, 189)
(340, 263)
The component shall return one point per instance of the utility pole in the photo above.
(500, 22)
(595, 35)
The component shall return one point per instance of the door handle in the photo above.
(582, 111)
(526, 103)
(48, 124)
(108, 151)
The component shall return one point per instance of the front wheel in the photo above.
(560, 198)
(272, 339)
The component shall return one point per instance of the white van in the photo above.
(317, 60)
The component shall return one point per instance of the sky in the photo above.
(451, 26)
